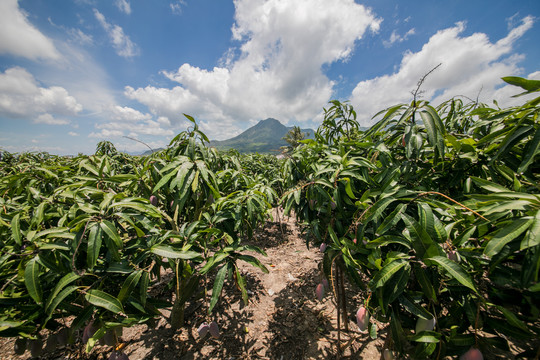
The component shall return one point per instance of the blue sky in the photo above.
(75, 72)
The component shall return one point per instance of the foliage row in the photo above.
(434, 213)
(89, 237)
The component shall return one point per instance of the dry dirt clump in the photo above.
(283, 319)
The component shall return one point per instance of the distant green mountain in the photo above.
(265, 137)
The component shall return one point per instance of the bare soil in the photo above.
(283, 319)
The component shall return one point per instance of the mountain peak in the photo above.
(266, 136)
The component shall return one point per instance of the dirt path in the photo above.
(283, 319)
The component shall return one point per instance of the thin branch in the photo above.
(139, 141)
(416, 92)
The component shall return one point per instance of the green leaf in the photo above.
(111, 231)
(507, 234)
(397, 331)
(104, 300)
(218, 285)
(488, 185)
(168, 252)
(16, 229)
(425, 283)
(391, 219)
(427, 337)
(94, 245)
(529, 85)
(387, 271)
(241, 282)
(253, 261)
(31, 280)
(143, 288)
(414, 308)
(532, 238)
(64, 281)
(59, 298)
(512, 319)
(455, 271)
(129, 284)
(165, 179)
(531, 150)
(422, 242)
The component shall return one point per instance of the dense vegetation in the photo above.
(433, 215)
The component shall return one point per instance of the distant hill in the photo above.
(265, 137)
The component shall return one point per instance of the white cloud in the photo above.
(126, 120)
(395, 37)
(121, 42)
(50, 120)
(73, 133)
(80, 37)
(106, 133)
(276, 71)
(21, 97)
(124, 113)
(123, 5)
(19, 37)
(469, 63)
(176, 7)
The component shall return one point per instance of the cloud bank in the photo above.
(21, 97)
(19, 37)
(471, 66)
(277, 69)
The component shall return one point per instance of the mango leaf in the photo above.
(218, 285)
(241, 282)
(16, 229)
(129, 284)
(168, 252)
(507, 234)
(111, 231)
(414, 308)
(253, 261)
(512, 318)
(488, 185)
(397, 331)
(427, 337)
(387, 272)
(94, 245)
(455, 271)
(165, 179)
(57, 300)
(391, 219)
(531, 150)
(64, 281)
(529, 85)
(425, 283)
(143, 288)
(532, 238)
(31, 280)
(422, 242)
(104, 300)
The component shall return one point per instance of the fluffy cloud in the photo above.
(469, 64)
(124, 113)
(276, 71)
(19, 37)
(121, 42)
(126, 120)
(50, 120)
(123, 5)
(21, 97)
